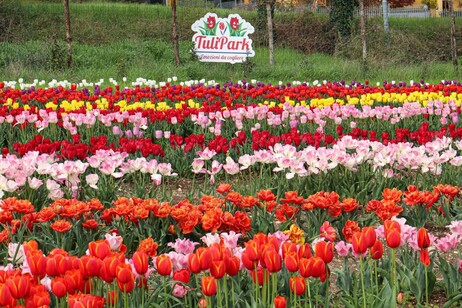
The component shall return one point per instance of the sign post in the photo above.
(222, 39)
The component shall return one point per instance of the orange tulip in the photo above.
(273, 260)
(233, 265)
(280, 302)
(209, 285)
(99, 249)
(393, 238)
(218, 269)
(164, 265)
(194, 263)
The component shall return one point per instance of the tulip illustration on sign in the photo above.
(230, 44)
(222, 27)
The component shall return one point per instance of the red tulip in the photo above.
(318, 267)
(19, 285)
(126, 287)
(73, 280)
(124, 273)
(291, 261)
(304, 251)
(272, 260)
(280, 302)
(164, 265)
(324, 250)
(205, 258)
(6, 298)
(38, 297)
(359, 242)
(182, 275)
(257, 276)
(297, 285)
(370, 235)
(58, 287)
(252, 250)
(99, 249)
(376, 250)
(140, 262)
(218, 269)
(424, 257)
(423, 240)
(91, 265)
(209, 285)
(233, 265)
(37, 263)
(194, 263)
(393, 238)
(288, 246)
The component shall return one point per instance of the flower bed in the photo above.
(323, 175)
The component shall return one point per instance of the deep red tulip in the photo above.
(209, 285)
(233, 265)
(324, 250)
(140, 262)
(182, 275)
(164, 265)
(297, 285)
(423, 240)
(376, 250)
(58, 287)
(280, 302)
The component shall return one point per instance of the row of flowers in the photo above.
(259, 139)
(283, 268)
(392, 161)
(230, 211)
(268, 114)
(314, 95)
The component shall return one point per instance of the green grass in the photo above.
(154, 60)
(134, 40)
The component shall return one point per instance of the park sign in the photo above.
(222, 39)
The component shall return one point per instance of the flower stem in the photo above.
(394, 280)
(362, 280)
(426, 287)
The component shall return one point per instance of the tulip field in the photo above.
(238, 194)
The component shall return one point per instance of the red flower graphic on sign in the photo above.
(222, 26)
(234, 22)
(211, 22)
